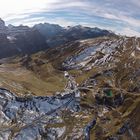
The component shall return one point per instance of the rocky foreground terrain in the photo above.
(85, 88)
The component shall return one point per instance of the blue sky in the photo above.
(120, 16)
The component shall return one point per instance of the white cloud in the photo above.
(130, 20)
(60, 21)
(16, 16)
(112, 13)
(135, 2)
(12, 7)
(30, 21)
(129, 32)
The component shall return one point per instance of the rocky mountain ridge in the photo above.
(107, 72)
(21, 40)
(56, 35)
(86, 88)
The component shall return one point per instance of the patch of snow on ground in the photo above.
(11, 38)
(86, 55)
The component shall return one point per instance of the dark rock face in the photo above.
(30, 42)
(2, 23)
(2, 27)
(49, 30)
(19, 40)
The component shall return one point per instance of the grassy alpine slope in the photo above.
(96, 64)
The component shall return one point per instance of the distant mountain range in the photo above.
(21, 40)
(105, 66)
(56, 35)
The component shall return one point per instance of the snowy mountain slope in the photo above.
(106, 72)
(93, 52)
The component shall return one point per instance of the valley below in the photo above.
(86, 88)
